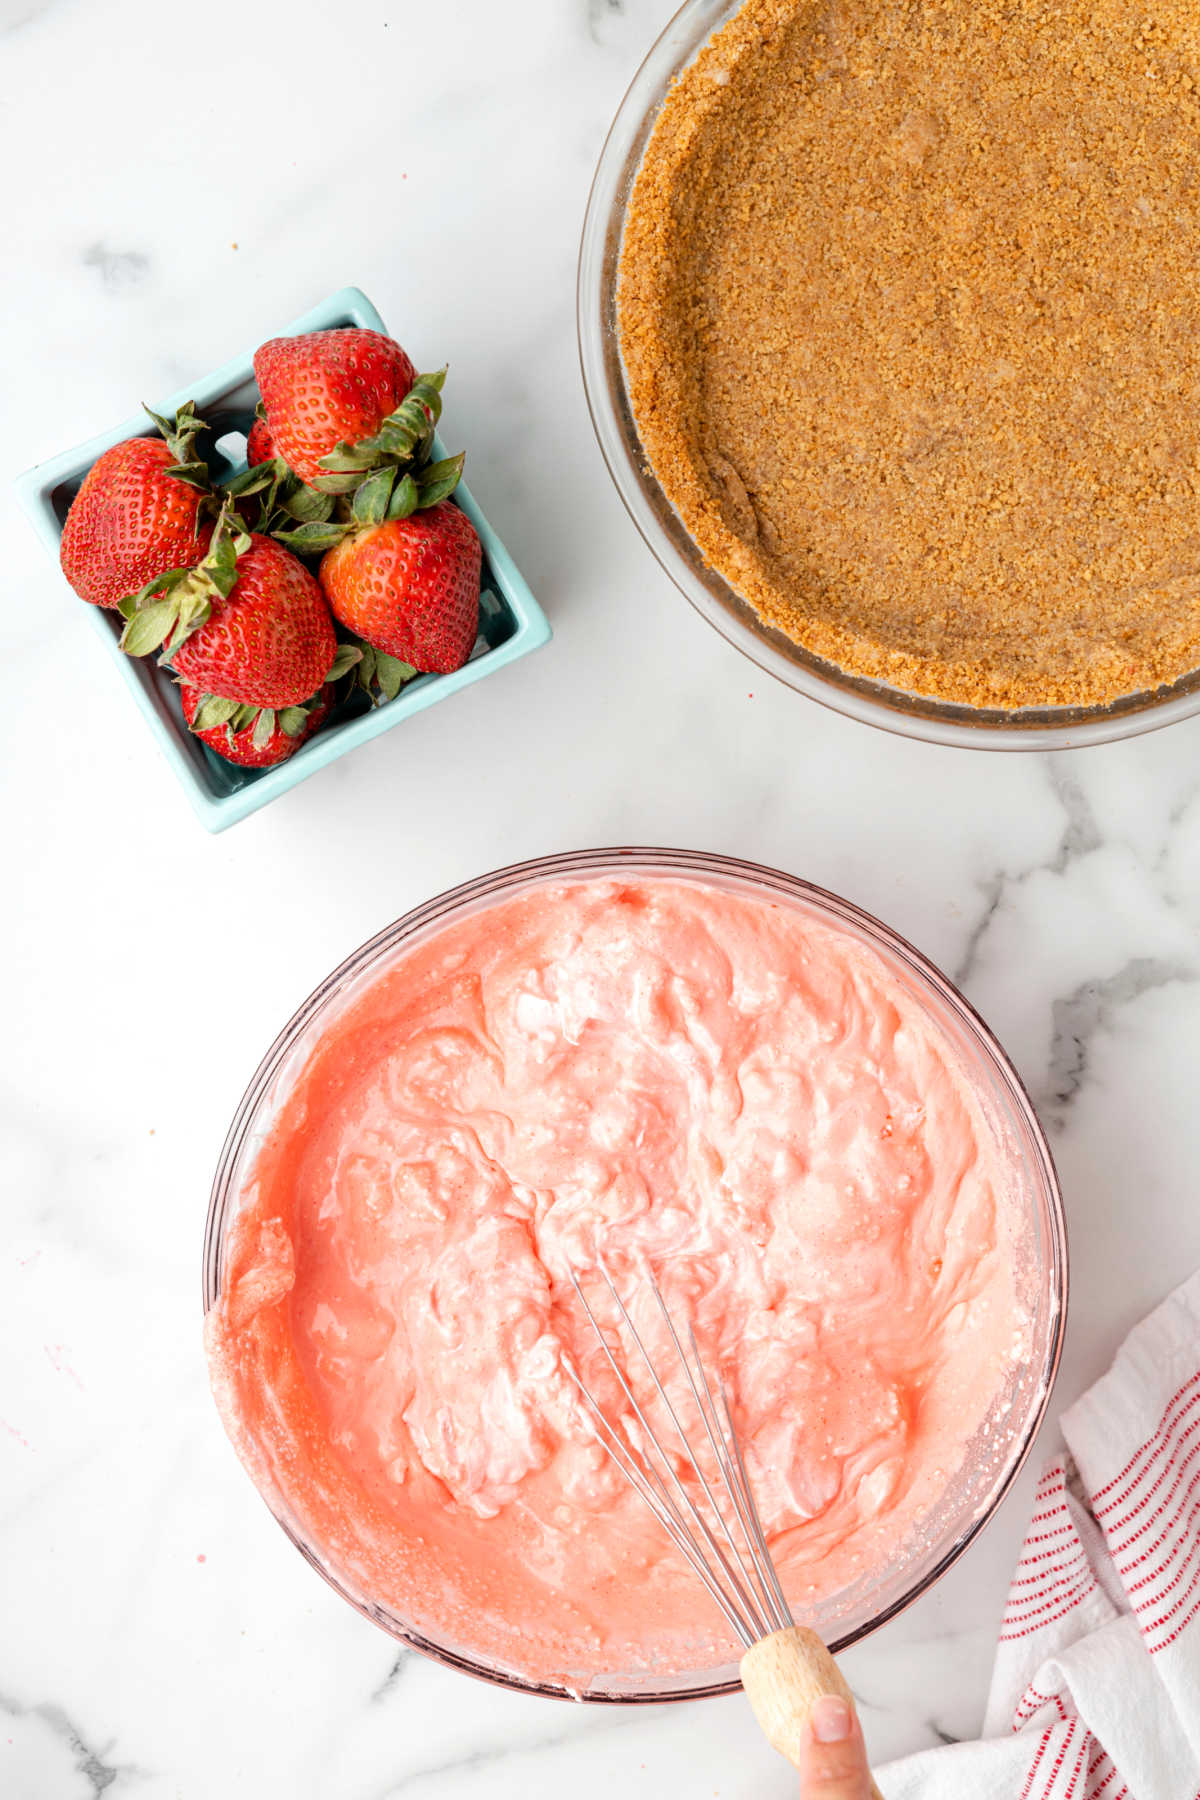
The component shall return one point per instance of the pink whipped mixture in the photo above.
(649, 1071)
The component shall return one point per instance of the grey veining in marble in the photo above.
(601, 15)
(119, 270)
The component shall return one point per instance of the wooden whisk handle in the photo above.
(783, 1677)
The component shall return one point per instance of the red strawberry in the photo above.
(249, 623)
(260, 448)
(260, 445)
(271, 642)
(234, 739)
(328, 388)
(410, 586)
(131, 521)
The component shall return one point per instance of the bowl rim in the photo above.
(680, 864)
(715, 599)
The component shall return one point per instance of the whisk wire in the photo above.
(650, 1484)
(746, 1588)
(740, 1613)
(667, 1516)
(761, 1589)
(741, 1497)
(736, 1574)
(752, 1524)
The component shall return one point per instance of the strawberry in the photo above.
(253, 737)
(260, 445)
(410, 586)
(256, 490)
(271, 641)
(267, 493)
(401, 565)
(249, 623)
(329, 388)
(138, 513)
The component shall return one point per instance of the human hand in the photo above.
(801, 1700)
(833, 1758)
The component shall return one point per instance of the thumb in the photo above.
(833, 1762)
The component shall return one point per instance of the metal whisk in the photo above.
(786, 1667)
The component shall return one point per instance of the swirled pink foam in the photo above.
(654, 1072)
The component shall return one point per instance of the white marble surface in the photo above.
(180, 183)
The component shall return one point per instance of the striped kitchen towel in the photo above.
(1096, 1688)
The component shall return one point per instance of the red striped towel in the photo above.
(1096, 1688)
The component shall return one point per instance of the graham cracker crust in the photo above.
(908, 305)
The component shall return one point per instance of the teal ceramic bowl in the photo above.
(511, 621)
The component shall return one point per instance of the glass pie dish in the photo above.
(871, 702)
(995, 1452)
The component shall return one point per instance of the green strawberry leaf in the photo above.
(158, 589)
(178, 602)
(338, 484)
(397, 440)
(292, 720)
(214, 709)
(427, 391)
(344, 659)
(439, 480)
(149, 627)
(405, 500)
(180, 434)
(345, 457)
(221, 565)
(166, 426)
(405, 438)
(366, 667)
(391, 674)
(194, 611)
(194, 473)
(250, 481)
(405, 435)
(311, 539)
(267, 480)
(264, 727)
(306, 504)
(371, 501)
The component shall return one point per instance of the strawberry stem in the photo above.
(404, 440)
(180, 434)
(179, 602)
(381, 676)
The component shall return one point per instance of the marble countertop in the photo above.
(187, 182)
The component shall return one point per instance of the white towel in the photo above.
(1096, 1688)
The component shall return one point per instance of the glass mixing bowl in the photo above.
(1003, 1442)
(874, 703)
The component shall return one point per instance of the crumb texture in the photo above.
(908, 309)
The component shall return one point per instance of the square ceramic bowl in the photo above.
(511, 622)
